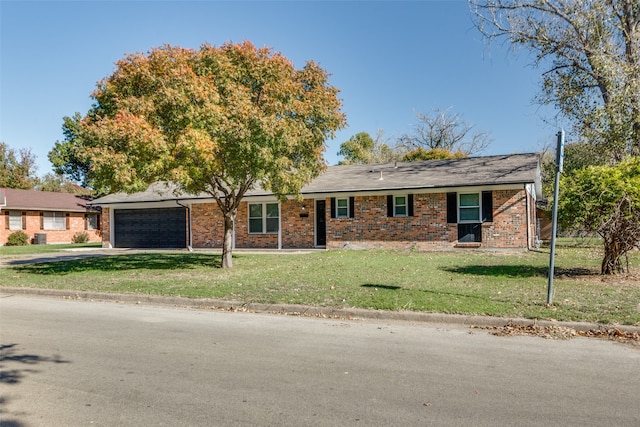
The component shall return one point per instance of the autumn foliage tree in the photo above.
(218, 120)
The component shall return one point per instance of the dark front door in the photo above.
(321, 223)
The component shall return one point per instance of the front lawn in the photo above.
(509, 284)
(10, 251)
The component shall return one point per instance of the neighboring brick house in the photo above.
(47, 217)
(479, 202)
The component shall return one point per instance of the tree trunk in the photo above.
(611, 263)
(227, 242)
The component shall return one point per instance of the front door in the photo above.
(321, 223)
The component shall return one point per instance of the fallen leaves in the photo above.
(563, 332)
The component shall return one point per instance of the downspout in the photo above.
(188, 208)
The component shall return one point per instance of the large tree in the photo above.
(445, 130)
(218, 120)
(361, 148)
(66, 154)
(17, 168)
(589, 54)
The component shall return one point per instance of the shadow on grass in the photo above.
(517, 271)
(155, 261)
(388, 287)
(435, 292)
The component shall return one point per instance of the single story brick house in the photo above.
(47, 217)
(477, 202)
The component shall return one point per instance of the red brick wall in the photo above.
(372, 228)
(76, 222)
(509, 226)
(297, 231)
(428, 228)
(207, 225)
(105, 220)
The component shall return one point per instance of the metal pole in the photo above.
(554, 219)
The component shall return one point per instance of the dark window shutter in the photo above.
(452, 208)
(333, 207)
(410, 203)
(41, 220)
(389, 206)
(6, 220)
(24, 220)
(86, 221)
(352, 207)
(487, 206)
(98, 217)
(68, 222)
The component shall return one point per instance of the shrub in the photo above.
(19, 238)
(81, 237)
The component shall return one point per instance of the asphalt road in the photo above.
(78, 363)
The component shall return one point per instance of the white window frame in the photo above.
(345, 208)
(264, 218)
(396, 205)
(53, 220)
(469, 207)
(15, 220)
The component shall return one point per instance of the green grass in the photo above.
(9, 251)
(511, 284)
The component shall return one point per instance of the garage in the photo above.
(150, 228)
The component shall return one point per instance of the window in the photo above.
(400, 206)
(342, 208)
(54, 221)
(15, 220)
(469, 208)
(92, 221)
(264, 217)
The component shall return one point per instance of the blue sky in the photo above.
(389, 59)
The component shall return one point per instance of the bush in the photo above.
(19, 238)
(81, 237)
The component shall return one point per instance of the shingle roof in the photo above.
(472, 171)
(43, 200)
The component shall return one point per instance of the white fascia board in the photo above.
(144, 205)
(421, 190)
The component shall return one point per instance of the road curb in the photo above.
(312, 311)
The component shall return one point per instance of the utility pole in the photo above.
(554, 219)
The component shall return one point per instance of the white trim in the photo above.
(479, 207)
(279, 226)
(314, 196)
(263, 217)
(406, 205)
(112, 226)
(338, 208)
